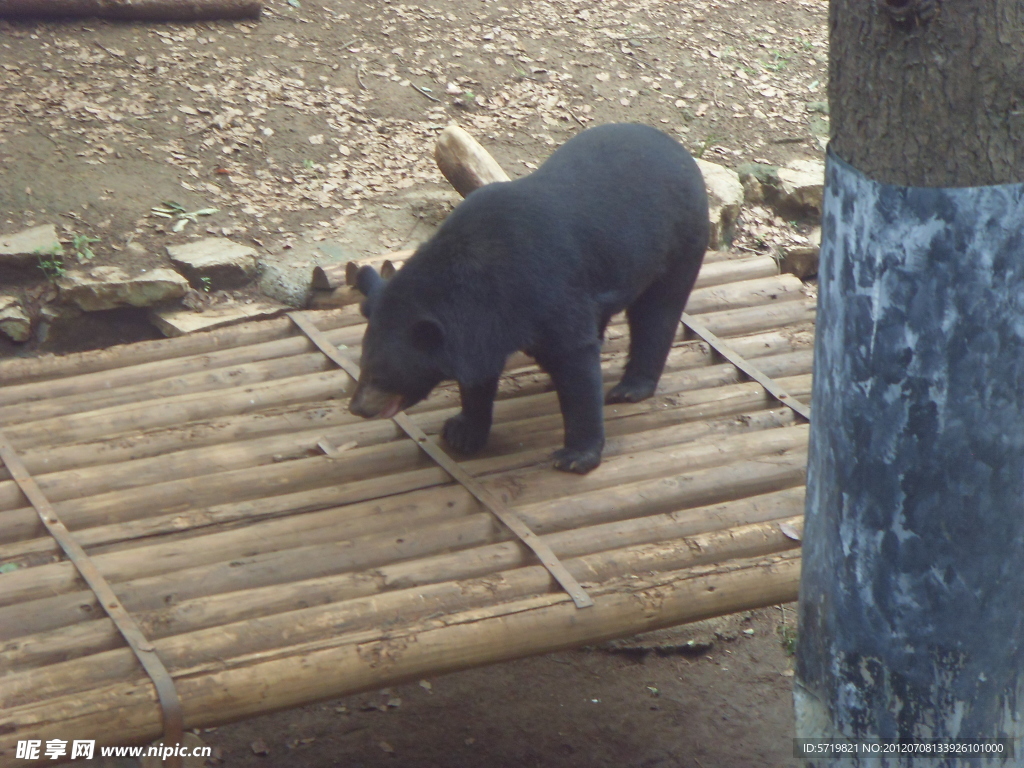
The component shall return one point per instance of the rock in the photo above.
(725, 195)
(215, 263)
(802, 260)
(178, 322)
(15, 322)
(755, 177)
(697, 637)
(55, 320)
(110, 287)
(801, 186)
(27, 246)
(285, 276)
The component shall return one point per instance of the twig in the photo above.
(359, 78)
(432, 98)
(573, 116)
(107, 50)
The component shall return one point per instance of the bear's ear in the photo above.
(427, 334)
(370, 284)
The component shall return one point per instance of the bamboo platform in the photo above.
(276, 550)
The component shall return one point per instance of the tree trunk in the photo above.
(911, 622)
(928, 93)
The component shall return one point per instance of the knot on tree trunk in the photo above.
(908, 14)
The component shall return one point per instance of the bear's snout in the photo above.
(369, 402)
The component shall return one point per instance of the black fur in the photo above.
(616, 219)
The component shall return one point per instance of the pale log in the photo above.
(133, 10)
(464, 162)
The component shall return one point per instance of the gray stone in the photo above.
(286, 276)
(725, 196)
(15, 322)
(27, 246)
(755, 178)
(801, 186)
(215, 262)
(178, 322)
(802, 260)
(111, 287)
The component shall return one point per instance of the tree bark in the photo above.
(136, 10)
(915, 520)
(928, 93)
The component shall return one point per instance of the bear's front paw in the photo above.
(580, 462)
(465, 435)
(630, 392)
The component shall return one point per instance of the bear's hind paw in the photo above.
(630, 393)
(580, 462)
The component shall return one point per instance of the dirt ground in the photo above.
(316, 122)
(728, 705)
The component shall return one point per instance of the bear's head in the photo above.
(403, 348)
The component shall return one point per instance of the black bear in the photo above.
(616, 219)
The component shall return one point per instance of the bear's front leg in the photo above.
(577, 379)
(467, 432)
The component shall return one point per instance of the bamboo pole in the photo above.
(179, 494)
(341, 330)
(95, 391)
(749, 293)
(92, 481)
(181, 409)
(126, 711)
(311, 624)
(88, 481)
(711, 273)
(738, 322)
(720, 402)
(115, 391)
(530, 484)
(99, 390)
(643, 527)
(19, 370)
(217, 431)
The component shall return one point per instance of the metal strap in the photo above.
(170, 702)
(498, 508)
(746, 366)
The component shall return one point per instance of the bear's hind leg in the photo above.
(653, 321)
(468, 431)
